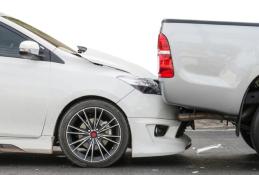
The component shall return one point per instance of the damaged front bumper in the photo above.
(153, 126)
(145, 143)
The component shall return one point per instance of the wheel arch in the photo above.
(253, 86)
(78, 100)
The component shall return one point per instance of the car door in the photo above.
(23, 88)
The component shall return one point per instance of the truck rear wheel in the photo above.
(255, 131)
(247, 137)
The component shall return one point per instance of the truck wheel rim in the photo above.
(93, 134)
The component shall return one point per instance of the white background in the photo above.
(127, 29)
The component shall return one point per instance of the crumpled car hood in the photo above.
(117, 63)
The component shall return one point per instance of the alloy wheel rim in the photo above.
(93, 134)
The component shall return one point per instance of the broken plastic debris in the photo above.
(207, 148)
(195, 172)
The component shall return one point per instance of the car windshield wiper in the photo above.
(76, 54)
(81, 49)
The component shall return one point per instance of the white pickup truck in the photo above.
(210, 69)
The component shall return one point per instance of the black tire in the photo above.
(112, 151)
(255, 131)
(247, 137)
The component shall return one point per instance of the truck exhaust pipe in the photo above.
(214, 116)
(199, 116)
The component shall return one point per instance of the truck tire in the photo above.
(246, 135)
(255, 131)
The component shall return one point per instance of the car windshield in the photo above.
(41, 34)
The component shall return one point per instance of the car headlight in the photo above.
(145, 85)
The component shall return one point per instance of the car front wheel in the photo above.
(94, 133)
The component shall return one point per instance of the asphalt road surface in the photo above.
(234, 157)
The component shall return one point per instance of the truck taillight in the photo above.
(166, 69)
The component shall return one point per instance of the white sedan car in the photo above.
(90, 104)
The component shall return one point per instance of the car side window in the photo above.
(9, 43)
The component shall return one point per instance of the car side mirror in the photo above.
(29, 49)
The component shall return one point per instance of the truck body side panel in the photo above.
(213, 64)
